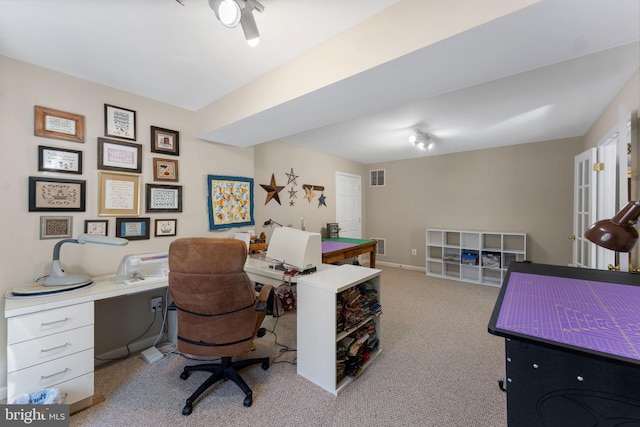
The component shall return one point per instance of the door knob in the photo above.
(572, 237)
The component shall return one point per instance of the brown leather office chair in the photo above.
(218, 312)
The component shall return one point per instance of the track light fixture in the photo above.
(227, 12)
(421, 140)
(230, 14)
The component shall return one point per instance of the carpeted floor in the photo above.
(438, 367)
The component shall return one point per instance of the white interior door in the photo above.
(584, 208)
(599, 192)
(349, 205)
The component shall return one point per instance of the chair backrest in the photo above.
(214, 297)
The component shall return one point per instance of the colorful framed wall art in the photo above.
(230, 201)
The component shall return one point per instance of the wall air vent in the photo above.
(377, 178)
(381, 247)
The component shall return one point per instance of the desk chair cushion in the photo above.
(215, 299)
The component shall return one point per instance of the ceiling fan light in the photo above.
(227, 11)
(413, 139)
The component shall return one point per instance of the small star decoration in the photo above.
(321, 200)
(292, 177)
(308, 193)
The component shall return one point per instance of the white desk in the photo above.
(50, 340)
(262, 271)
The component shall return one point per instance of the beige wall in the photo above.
(629, 95)
(522, 188)
(23, 256)
(312, 168)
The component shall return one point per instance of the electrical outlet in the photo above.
(156, 304)
(414, 252)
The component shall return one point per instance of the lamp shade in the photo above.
(617, 233)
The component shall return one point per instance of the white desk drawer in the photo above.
(49, 374)
(29, 353)
(35, 325)
(76, 389)
(73, 390)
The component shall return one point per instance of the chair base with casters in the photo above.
(225, 370)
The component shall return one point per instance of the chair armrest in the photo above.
(263, 297)
(264, 292)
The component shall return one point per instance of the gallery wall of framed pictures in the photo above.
(119, 176)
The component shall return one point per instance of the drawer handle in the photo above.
(44, 350)
(46, 377)
(54, 322)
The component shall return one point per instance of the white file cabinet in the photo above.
(51, 348)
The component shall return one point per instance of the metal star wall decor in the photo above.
(321, 200)
(308, 192)
(272, 190)
(292, 196)
(292, 177)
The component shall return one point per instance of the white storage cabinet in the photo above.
(317, 339)
(473, 256)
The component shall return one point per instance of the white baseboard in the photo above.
(405, 266)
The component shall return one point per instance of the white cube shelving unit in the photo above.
(473, 256)
(317, 339)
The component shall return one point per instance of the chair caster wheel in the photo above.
(184, 375)
(265, 366)
(187, 410)
(247, 401)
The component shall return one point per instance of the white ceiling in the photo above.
(544, 72)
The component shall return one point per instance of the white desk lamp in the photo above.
(58, 277)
